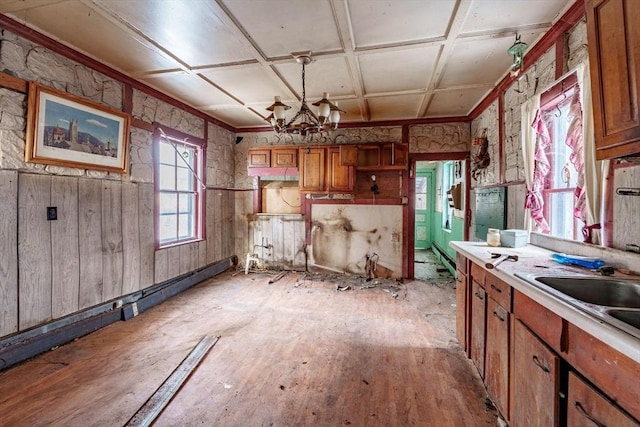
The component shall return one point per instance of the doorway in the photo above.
(424, 207)
(432, 220)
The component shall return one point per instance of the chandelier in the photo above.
(304, 122)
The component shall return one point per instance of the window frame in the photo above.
(199, 147)
(550, 101)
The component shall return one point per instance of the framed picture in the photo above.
(66, 130)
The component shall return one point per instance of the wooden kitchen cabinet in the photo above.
(312, 169)
(478, 301)
(462, 306)
(284, 157)
(497, 342)
(614, 57)
(340, 179)
(536, 382)
(586, 406)
(348, 155)
(259, 158)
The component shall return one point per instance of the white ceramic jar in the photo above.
(493, 237)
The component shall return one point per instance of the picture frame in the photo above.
(70, 131)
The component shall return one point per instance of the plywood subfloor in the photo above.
(294, 353)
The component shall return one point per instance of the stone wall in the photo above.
(109, 216)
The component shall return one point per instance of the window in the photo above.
(562, 183)
(179, 188)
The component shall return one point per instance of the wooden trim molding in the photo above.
(14, 83)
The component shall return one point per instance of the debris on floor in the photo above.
(278, 277)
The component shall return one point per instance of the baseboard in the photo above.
(24, 345)
(445, 259)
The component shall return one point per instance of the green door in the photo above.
(424, 209)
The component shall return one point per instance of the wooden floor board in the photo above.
(292, 353)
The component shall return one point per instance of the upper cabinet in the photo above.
(312, 169)
(284, 157)
(372, 157)
(614, 56)
(259, 158)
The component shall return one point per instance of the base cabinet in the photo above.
(536, 381)
(587, 407)
(478, 300)
(496, 370)
(538, 368)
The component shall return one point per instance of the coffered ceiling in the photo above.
(382, 60)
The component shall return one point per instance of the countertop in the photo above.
(536, 260)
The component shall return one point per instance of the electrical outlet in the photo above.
(52, 213)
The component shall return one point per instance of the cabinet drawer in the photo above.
(478, 273)
(615, 374)
(543, 322)
(499, 291)
(586, 406)
(461, 263)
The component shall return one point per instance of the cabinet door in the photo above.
(312, 169)
(478, 301)
(496, 369)
(340, 178)
(536, 383)
(587, 407)
(259, 158)
(461, 307)
(348, 155)
(284, 157)
(614, 57)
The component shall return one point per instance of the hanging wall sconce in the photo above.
(374, 185)
(517, 51)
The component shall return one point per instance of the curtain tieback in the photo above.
(586, 232)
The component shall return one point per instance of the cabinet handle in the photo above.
(498, 316)
(539, 363)
(496, 289)
(479, 295)
(585, 414)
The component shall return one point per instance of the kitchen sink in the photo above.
(595, 290)
(630, 317)
(614, 301)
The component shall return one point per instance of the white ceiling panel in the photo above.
(193, 90)
(450, 103)
(90, 32)
(511, 14)
(257, 84)
(397, 107)
(476, 62)
(380, 59)
(397, 71)
(380, 22)
(281, 27)
(171, 24)
(239, 115)
(321, 75)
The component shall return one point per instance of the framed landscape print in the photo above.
(66, 130)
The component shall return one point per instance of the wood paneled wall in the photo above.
(286, 236)
(101, 246)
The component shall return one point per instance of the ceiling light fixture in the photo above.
(305, 122)
(517, 51)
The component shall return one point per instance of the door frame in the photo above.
(430, 174)
(410, 208)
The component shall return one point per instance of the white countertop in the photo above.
(536, 260)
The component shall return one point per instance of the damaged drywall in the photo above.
(343, 236)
